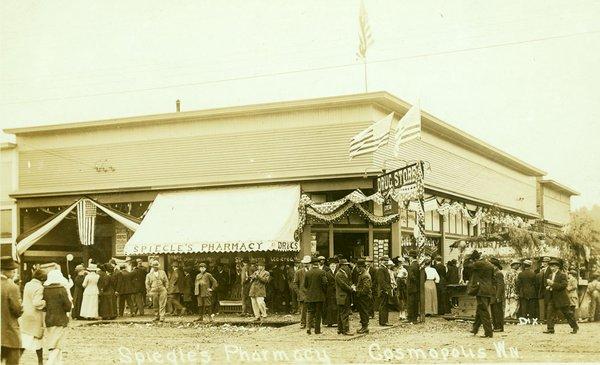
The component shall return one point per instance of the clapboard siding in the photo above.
(200, 159)
(557, 206)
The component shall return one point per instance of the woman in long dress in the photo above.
(89, 303)
(431, 278)
(107, 305)
(32, 320)
(58, 305)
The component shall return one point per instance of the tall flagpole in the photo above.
(364, 39)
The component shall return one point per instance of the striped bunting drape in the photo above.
(86, 220)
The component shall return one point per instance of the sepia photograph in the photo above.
(299, 182)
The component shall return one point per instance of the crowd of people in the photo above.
(324, 292)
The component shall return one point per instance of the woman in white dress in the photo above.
(431, 278)
(89, 303)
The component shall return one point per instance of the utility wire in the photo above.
(323, 68)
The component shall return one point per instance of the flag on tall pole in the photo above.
(372, 138)
(86, 220)
(409, 128)
(364, 38)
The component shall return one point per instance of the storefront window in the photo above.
(6, 219)
(322, 243)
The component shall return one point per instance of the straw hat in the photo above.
(55, 277)
(93, 267)
(306, 260)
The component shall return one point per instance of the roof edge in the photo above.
(560, 187)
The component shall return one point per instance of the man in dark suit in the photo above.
(384, 285)
(315, 283)
(441, 286)
(330, 306)
(482, 285)
(373, 274)
(542, 296)
(497, 305)
(363, 295)
(413, 286)
(527, 291)
(139, 286)
(11, 309)
(558, 299)
(300, 290)
(343, 290)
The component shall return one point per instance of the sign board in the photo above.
(399, 178)
(121, 238)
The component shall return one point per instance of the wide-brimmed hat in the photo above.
(55, 277)
(554, 262)
(8, 263)
(92, 267)
(344, 262)
(306, 260)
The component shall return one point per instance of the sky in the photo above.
(523, 76)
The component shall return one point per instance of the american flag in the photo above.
(372, 138)
(364, 33)
(409, 128)
(86, 219)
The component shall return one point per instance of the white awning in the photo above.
(247, 219)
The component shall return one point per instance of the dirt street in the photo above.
(181, 341)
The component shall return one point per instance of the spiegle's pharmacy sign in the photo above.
(399, 178)
(163, 248)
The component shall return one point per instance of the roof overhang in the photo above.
(380, 98)
(559, 187)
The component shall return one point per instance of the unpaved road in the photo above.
(179, 341)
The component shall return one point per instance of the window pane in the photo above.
(6, 219)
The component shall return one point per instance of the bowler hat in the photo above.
(413, 254)
(8, 263)
(361, 263)
(333, 259)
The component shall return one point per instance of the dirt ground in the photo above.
(179, 340)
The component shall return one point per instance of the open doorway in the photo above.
(351, 244)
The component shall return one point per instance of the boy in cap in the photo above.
(204, 286)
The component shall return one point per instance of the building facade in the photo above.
(125, 163)
(8, 207)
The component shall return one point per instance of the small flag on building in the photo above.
(86, 220)
(372, 138)
(364, 33)
(409, 128)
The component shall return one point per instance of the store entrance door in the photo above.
(351, 244)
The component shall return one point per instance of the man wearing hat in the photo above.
(384, 286)
(497, 303)
(156, 285)
(300, 289)
(258, 290)
(11, 309)
(527, 291)
(542, 296)
(511, 295)
(343, 291)
(558, 299)
(363, 295)
(315, 283)
(330, 315)
(482, 286)
(138, 280)
(204, 287)
(441, 286)
(321, 260)
(78, 289)
(413, 287)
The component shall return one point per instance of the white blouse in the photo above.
(432, 274)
